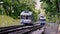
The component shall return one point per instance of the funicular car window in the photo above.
(23, 17)
(28, 17)
(42, 20)
(42, 16)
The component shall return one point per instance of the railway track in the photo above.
(10, 27)
(23, 29)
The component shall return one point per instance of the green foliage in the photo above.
(8, 21)
(51, 9)
(13, 8)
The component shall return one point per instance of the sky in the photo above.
(38, 4)
(38, 7)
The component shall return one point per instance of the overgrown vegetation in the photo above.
(51, 10)
(8, 21)
(13, 8)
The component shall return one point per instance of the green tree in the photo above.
(13, 8)
(51, 9)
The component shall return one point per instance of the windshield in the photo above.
(42, 16)
(42, 19)
(25, 17)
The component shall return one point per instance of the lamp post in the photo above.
(1, 5)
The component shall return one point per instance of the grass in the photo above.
(8, 21)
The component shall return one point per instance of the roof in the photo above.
(41, 16)
(26, 13)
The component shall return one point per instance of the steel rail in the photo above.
(12, 29)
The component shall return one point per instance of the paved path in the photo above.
(51, 28)
(59, 29)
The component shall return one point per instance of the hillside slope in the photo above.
(7, 21)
